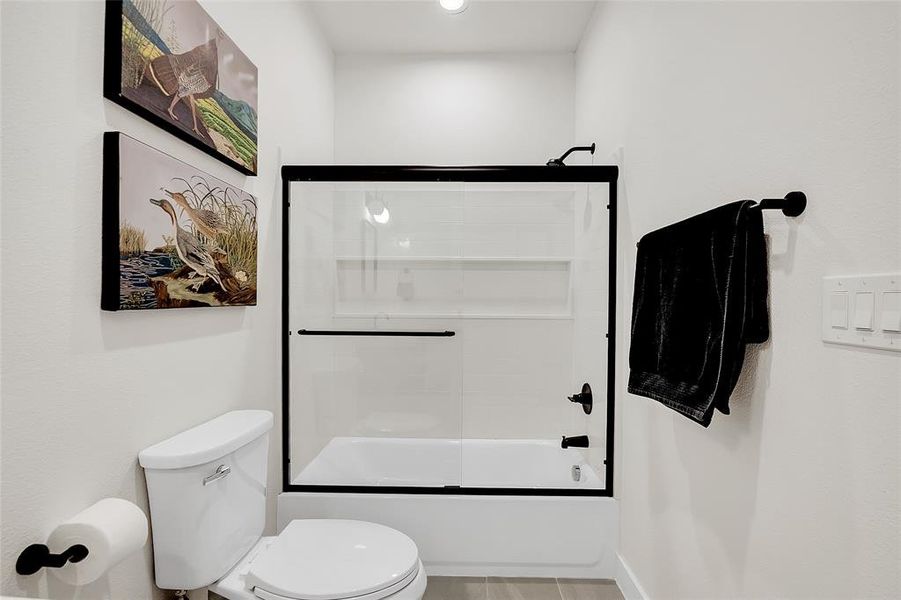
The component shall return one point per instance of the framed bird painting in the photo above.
(169, 62)
(173, 236)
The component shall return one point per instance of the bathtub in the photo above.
(503, 527)
(409, 462)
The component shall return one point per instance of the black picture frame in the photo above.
(112, 90)
(111, 199)
(608, 174)
(109, 251)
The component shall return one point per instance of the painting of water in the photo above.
(169, 62)
(173, 236)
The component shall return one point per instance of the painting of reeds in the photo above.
(173, 236)
(168, 61)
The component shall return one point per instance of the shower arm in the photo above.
(558, 162)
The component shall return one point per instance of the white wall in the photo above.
(795, 494)
(84, 391)
(465, 109)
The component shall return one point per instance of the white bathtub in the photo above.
(462, 534)
(441, 462)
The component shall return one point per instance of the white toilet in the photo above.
(207, 489)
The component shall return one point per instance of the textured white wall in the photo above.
(84, 391)
(795, 494)
(453, 109)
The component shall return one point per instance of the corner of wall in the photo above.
(627, 581)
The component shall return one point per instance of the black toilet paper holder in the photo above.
(37, 556)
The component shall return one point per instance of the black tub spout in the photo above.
(576, 441)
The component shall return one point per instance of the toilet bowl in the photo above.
(324, 559)
(207, 491)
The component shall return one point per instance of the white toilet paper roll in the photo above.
(111, 529)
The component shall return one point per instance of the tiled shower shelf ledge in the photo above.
(446, 274)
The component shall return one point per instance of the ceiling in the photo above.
(422, 26)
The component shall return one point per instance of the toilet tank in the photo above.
(207, 490)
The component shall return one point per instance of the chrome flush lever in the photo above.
(221, 472)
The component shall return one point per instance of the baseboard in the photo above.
(627, 581)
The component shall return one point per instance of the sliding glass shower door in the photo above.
(438, 329)
(375, 288)
(536, 261)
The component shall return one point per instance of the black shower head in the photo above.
(558, 162)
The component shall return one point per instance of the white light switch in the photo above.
(891, 311)
(838, 309)
(863, 310)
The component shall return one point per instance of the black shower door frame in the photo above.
(474, 174)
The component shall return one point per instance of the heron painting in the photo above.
(168, 61)
(173, 236)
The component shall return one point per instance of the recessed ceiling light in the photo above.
(453, 6)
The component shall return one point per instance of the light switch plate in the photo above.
(891, 312)
(863, 310)
(838, 309)
(864, 306)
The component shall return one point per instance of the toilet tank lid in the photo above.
(207, 442)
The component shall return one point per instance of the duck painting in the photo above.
(191, 250)
(173, 236)
(208, 222)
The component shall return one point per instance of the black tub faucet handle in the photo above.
(585, 398)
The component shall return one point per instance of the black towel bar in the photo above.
(792, 205)
(377, 333)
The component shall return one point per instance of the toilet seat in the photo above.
(377, 595)
(329, 559)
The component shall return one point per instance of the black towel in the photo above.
(700, 296)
